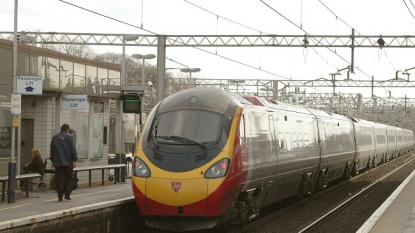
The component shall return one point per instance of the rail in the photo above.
(116, 167)
(26, 177)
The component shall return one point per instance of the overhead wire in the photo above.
(229, 59)
(337, 17)
(240, 24)
(309, 34)
(408, 8)
(327, 62)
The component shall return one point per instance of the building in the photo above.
(75, 90)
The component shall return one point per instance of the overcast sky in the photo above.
(250, 17)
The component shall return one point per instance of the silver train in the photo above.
(207, 157)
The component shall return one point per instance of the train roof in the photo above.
(202, 97)
(269, 103)
(290, 107)
(361, 121)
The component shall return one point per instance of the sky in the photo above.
(240, 17)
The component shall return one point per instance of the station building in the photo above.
(91, 86)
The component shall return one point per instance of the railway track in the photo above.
(313, 222)
(326, 217)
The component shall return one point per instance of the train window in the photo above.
(285, 117)
(200, 126)
(288, 141)
(242, 128)
(306, 143)
(295, 144)
(300, 140)
(280, 141)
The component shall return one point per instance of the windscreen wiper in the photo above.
(183, 139)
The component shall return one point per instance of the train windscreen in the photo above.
(195, 125)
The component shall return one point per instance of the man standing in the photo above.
(63, 155)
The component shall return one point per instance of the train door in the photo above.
(270, 180)
(26, 144)
(274, 150)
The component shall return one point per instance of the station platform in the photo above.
(44, 206)
(397, 213)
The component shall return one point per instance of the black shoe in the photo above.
(68, 198)
(60, 198)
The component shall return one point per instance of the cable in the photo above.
(222, 17)
(218, 16)
(337, 17)
(408, 8)
(309, 34)
(108, 17)
(176, 62)
(175, 41)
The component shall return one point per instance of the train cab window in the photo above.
(197, 125)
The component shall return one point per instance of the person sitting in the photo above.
(37, 163)
(36, 166)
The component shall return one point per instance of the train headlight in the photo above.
(217, 170)
(140, 169)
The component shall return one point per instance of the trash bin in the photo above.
(120, 159)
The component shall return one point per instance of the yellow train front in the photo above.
(183, 178)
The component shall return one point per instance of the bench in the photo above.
(26, 177)
(116, 167)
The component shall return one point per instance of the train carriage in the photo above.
(400, 143)
(409, 140)
(364, 132)
(391, 141)
(207, 157)
(381, 141)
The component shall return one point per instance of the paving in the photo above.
(42, 206)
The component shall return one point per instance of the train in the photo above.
(207, 157)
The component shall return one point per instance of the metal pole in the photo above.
(142, 72)
(190, 77)
(12, 164)
(352, 47)
(123, 62)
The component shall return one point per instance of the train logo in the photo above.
(176, 186)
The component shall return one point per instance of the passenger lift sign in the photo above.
(74, 102)
(29, 85)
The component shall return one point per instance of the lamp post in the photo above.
(119, 132)
(125, 38)
(144, 57)
(190, 71)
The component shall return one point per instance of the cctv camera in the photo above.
(150, 84)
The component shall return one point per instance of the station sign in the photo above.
(29, 85)
(74, 102)
(16, 108)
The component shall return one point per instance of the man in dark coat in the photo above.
(63, 155)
